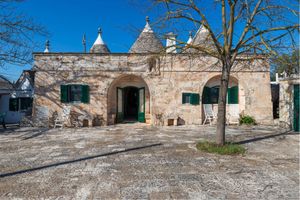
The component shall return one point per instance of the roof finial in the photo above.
(147, 27)
(190, 37)
(84, 43)
(47, 46)
(99, 30)
(99, 46)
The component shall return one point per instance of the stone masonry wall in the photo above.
(286, 102)
(165, 78)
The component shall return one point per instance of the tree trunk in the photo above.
(221, 120)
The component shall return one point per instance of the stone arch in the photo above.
(233, 110)
(126, 81)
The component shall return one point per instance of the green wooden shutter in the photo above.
(296, 122)
(85, 94)
(64, 93)
(206, 95)
(233, 95)
(195, 99)
(229, 95)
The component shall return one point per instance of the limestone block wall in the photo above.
(286, 102)
(165, 78)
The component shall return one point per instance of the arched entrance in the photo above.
(128, 100)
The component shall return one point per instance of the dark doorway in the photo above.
(131, 105)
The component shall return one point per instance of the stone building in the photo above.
(147, 85)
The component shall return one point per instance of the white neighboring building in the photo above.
(16, 99)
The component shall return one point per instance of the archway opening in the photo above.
(131, 103)
(128, 100)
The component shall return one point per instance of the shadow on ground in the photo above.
(264, 137)
(76, 160)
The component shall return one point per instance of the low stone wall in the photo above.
(286, 103)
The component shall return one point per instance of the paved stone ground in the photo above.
(136, 161)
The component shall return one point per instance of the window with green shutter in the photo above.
(190, 98)
(195, 99)
(64, 93)
(206, 95)
(214, 95)
(85, 97)
(74, 93)
(233, 95)
(211, 95)
(186, 98)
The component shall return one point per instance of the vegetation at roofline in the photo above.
(286, 62)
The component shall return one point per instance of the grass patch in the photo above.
(227, 149)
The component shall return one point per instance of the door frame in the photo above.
(120, 115)
(141, 115)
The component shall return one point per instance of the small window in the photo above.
(214, 94)
(74, 93)
(211, 95)
(186, 98)
(13, 104)
(25, 103)
(190, 98)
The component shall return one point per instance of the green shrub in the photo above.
(248, 120)
(227, 149)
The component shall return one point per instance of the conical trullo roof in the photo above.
(201, 39)
(99, 46)
(147, 42)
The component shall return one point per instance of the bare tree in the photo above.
(17, 34)
(240, 29)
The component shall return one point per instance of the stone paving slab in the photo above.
(136, 161)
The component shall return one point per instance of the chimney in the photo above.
(171, 43)
(47, 47)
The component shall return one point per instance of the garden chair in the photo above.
(209, 113)
(61, 118)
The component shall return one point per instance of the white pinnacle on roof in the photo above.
(99, 46)
(203, 29)
(99, 38)
(147, 26)
(190, 38)
(47, 47)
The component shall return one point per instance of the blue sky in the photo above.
(120, 20)
(67, 20)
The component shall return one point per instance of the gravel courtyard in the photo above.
(135, 161)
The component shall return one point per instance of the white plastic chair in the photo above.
(209, 113)
(62, 117)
